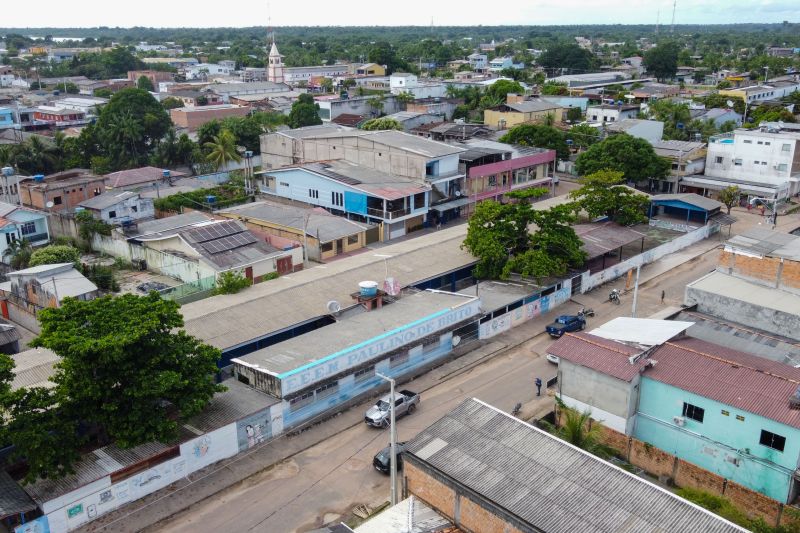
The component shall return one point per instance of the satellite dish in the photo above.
(456, 340)
(458, 193)
(49, 205)
(334, 306)
(730, 104)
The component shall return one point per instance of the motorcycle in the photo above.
(586, 311)
(614, 296)
(516, 410)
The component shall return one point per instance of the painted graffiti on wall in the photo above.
(526, 312)
(39, 525)
(210, 448)
(253, 429)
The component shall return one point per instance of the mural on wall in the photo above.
(526, 312)
(39, 525)
(210, 448)
(253, 429)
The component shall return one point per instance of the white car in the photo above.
(552, 358)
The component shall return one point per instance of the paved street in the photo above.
(323, 484)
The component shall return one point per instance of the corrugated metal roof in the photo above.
(741, 380)
(603, 355)
(34, 368)
(642, 331)
(102, 201)
(138, 176)
(603, 237)
(752, 293)
(691, 198)
(549, 484)
(766, 242)
(13, 500)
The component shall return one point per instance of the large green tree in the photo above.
(602, 194)
(662, 61)
(499, 89)
(304, 112)
(540, 136)
(568, 57)
(499, 235)
(55, 253)
(130, 126)
(383, 123)
(222, 149)
(145, 84)
(128, 372)
(632, 156)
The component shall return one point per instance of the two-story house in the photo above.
(431, 165)
(397, 204)
(519, 110)
(478, 62)
(62, 191)
(762, 162)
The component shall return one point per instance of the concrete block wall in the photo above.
(768, 271)
(684, 474)
(431, 491)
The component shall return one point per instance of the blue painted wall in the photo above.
(719, 438)
(355, 202)
(6, 117)
(349, 388)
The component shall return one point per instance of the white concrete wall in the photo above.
(588, 282)
(751, 147)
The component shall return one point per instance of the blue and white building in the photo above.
(17, 223)
(391, 177)
(325, 369)
(6, 118)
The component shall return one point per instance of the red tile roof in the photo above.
(348, 119)
(735, 378)
(606, 356)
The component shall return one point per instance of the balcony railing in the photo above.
(388, 215)
(37, 237)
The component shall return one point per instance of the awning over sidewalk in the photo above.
(452, 204)
(745, 187)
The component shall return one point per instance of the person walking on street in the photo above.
(538, 386)
(662, 296)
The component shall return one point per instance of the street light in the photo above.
(392, 439)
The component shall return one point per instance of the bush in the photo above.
(231, 282)
(55, 253)
(102, 276)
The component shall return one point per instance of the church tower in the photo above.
(275, 64)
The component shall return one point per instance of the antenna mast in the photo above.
(658, 19)
(674, 4)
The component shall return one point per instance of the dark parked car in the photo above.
(381, 460)
(566, 323)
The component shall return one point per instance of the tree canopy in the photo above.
(662, 61)
(632, 156)
(567, 56)
(499, 236)
(304, 112)
(127, 375)
(383, 123)
(131, 124)
(540, 136)
(55, 253)
(602, 194)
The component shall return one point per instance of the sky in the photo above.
(183, 13)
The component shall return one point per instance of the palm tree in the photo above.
(549, 119)
(126, 132)
(19, 252)
(222, 149)
(578, 429)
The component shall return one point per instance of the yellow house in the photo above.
(371, 69)
(517, 111)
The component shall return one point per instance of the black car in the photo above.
(381, 460)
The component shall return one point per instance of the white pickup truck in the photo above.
(405, 402)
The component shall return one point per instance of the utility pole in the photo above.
(635, 292)
(674, 5)
(393, 439)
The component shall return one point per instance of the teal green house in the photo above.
(725, 411)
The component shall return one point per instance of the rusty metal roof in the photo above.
(603, 237)
(743, 381)
(606, 356)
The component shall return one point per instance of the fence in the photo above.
(590, 281)
(190, 292)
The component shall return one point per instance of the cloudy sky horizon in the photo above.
(157, 13)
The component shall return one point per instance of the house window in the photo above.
(740, 418)
(718, 160)
(693, 412)
(11, 237)
(352, 239)
(756, 162)
(326, 246)
(313, 193)
(398, 359)
(301, 401)
(771, 440)
(327, 390)
(112, 214)
(284, 184)
(364, 374)
(786, 148)
(56, 200)
(748, 141)
(726, 413)
(737, 162)
(760, 142)
(763, 163)
(337, 198)
(134, 209)
(28, 228)
(782, 167)
(767, 143)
